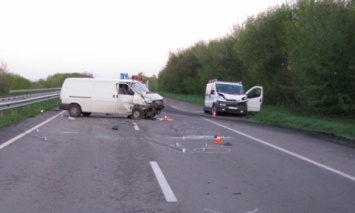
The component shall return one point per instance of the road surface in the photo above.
(51, 163)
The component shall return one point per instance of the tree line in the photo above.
(11, 81)
(303, 54)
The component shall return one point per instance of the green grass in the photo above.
(193, 99)
(289, 117)
(8, 117)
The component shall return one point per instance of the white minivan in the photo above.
(117, 96)
(230, 97)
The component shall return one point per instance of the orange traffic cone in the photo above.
(165, 117)
(214, 114)
(218, 140)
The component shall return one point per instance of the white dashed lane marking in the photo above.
(164, 185)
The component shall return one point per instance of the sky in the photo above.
(39, 38)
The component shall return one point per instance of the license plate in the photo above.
(233, 107)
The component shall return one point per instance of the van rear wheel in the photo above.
(137, 113)
(74, 110)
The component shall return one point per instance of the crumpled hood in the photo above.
(231, 97)
(152, 96)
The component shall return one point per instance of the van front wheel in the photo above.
(214, 109)
(74, 110)
(137, 113)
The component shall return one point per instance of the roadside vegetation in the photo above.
(11, 81)
(8, 117)
(288, 117)
(302, 53)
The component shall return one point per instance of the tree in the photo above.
(3, 83)
(322, 39)
(261, 49)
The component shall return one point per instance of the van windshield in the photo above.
(139, 87)
(232, 89)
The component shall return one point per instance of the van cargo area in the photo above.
(83, 96)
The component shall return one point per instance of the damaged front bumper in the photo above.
(154, 108)
(232, 107)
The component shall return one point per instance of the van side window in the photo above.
(124, 89)
(255, 93)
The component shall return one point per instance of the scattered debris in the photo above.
(227, 144)
(71, 118)
(115, 127)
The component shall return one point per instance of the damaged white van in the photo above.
(229, 97)
(116, 96)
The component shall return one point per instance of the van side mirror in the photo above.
(212, 92)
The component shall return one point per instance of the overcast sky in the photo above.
(108, 37)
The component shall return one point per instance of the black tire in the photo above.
(74, 110)
(245, 110)
(205, 110)
(137, 113)
(86, 113)
(245, 113)
(213, 109)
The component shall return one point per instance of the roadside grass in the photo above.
(8, 117)
(192, 99)
(290, 118)
(293, 118)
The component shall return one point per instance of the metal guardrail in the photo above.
(20, 103)
(34, 90)
(28, 93)
(25, 96)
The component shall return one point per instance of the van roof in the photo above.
(115, 80)
(224, 82)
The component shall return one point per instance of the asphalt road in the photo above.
(84, 165)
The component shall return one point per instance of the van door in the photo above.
(209, 96)
(255, 98)
(103, 100)
(124, 99)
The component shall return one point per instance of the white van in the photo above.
(229, 97)
(126, 97)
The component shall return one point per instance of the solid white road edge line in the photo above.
(176, 107)
(164, 185)
(286, 151)
(28, 131)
